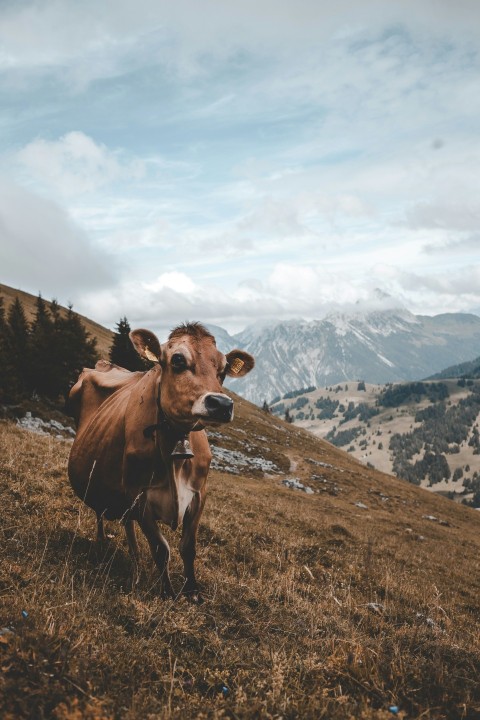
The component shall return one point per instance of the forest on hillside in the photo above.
(42, 359)
(437, 441)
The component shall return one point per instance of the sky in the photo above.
(240, 162)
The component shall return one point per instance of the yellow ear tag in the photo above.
(237, 365)
(149, 355)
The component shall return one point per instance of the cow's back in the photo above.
(94, 386)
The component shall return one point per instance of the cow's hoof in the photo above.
(194, 596)
(167, 593)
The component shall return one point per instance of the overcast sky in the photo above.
(234, 161)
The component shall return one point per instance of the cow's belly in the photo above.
(95, 465)
(167, 505)
(97, 482)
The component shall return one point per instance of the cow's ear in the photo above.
(239, 363)
(146, 344)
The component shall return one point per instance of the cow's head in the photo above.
(193, 371)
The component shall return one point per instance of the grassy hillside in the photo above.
(356, 595)
(381, 424)
(103, 336)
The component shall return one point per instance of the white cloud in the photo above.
(177, 281)
(457, 246)
(447, 214)
(67, 33)
(289, 291)
(41, 249)
(462, 281)
(75, 164)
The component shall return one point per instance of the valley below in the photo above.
(425, 432)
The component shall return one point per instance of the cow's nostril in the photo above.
(219, 406)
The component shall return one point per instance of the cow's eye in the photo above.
(179, 362)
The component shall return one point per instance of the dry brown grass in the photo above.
(316, 608)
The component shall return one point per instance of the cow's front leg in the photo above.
(159, 549)
(133, 550)
(188, 545)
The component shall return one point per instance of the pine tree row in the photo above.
(43, 357)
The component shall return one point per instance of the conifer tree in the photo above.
(46, 357)
(76, 349)
(122, 351)
(55, 311)
(43, 371)
(18, 351)
(4, 381)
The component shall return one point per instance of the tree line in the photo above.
(42, 358)
(396, 395)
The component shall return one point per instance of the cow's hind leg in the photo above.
(133, 550)
(158, 547)
(101, 537)
(188, 545)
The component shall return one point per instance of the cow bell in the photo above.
(182, 449)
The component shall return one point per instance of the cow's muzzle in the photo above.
(217, 407)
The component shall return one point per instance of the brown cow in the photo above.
(131, 458)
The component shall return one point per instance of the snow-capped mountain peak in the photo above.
(378, 346)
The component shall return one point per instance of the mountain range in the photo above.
(380, 346)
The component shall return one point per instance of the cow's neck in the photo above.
(176, 438)
(170, 467)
